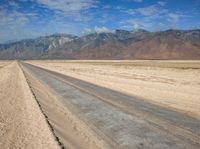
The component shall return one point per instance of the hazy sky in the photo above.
(31, 18)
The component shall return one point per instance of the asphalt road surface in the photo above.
(119, 120)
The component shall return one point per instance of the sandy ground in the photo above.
(83, 114)
(4, 63)
(173, 84)
(22, 124)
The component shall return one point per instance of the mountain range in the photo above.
(119, 44)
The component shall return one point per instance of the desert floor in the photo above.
(100, 104)
(22, 124)
(174, 84)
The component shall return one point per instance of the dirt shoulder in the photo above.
(22, 124)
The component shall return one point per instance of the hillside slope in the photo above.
(121, 44)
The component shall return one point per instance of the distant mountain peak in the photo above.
(120, 44)
(140, 31)
(121, 31)
(62, 35)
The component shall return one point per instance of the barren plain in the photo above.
(100, 104)
(174, 84)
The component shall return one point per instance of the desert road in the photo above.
(84, 115)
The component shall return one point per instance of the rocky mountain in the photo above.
(121, 44)
(33, 48)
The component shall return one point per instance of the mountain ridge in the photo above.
(120, 44)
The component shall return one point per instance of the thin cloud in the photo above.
(148, 11)
(138, 1)
(162, 3)
(13, 25)
(135, 24)
(174, 17)
(151, 15)
(68, 6)
(130, 11)
(76, 9)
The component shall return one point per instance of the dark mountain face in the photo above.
(123, 34)
(121, 44)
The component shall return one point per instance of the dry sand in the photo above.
(173, 84)
(22, 125)
(4, 63)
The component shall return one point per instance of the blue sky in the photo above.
(21, 19)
